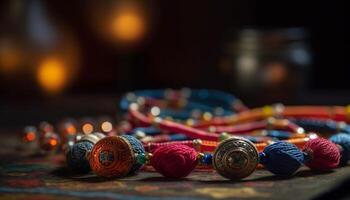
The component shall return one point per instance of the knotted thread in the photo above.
(174, 161)
(137, 148)
(324, 155)
(282, 158)
(343, 140)
(76, 157)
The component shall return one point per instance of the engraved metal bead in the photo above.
(235, 158)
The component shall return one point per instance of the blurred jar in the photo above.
(269, 65)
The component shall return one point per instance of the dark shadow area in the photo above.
(340, 192)
(163, 179)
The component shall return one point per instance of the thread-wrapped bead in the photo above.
(174, 161)
(343, 140)
(323, 154)
(282, 158)
(77, 157)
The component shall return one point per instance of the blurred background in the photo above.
(60, 58)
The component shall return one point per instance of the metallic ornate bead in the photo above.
(235, 158)
(99, 135)
(224, 136)
(91, 138)
(140, 134)
(112, 156)
(197, 144)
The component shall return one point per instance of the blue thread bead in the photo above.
(148, 130)
(281, 135)
(282, 158)
(76, 157)
(320, 126)
(204, 100)
(346, 129)
(178, 137)
(343, 140)
(207, 159)
(137, 148)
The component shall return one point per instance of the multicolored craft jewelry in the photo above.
(181, 129)
(236, 158)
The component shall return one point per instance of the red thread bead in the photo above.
(324, 155)
(175, 160)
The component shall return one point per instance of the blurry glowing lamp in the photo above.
(52, 75)
(128, 25)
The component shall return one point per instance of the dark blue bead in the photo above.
(207, 159)
(204, 100)
(178, 137)
(76, 157)
(343, 140)
(346, 129)
(281, 135)
(282, 158)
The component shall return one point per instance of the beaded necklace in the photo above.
(188, 124)
(233, 158)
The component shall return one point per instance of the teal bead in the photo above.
(137, 148)
(141, 158)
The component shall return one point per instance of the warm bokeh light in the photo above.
(30, 136)
(207, 116)
(275, 73)
(155, 111)
(128, 25)
(53, 142)
(10, 58)
(52, 75)
(87, 128)
(106, 126)
(71, 130)
(124, 23)
(46, 127)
